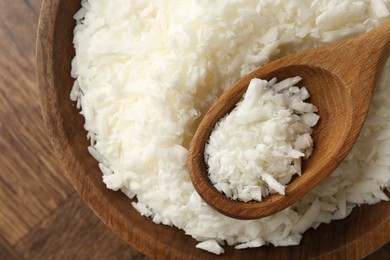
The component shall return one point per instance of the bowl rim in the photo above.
(84, 183)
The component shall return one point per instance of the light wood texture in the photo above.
(340, 79)
(364, 231)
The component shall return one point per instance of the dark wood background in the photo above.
(41, 215)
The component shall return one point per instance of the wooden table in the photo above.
(41, 215)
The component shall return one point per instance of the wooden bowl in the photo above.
(363, 232)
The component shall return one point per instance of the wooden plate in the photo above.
(363, 232)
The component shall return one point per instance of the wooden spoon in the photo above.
(340, 79)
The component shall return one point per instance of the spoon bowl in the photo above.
(340, 79)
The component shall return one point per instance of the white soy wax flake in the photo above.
(265, 116)
(147, 71)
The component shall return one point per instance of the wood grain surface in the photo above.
(41, 216)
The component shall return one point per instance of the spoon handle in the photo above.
(361, 58)
(373, 47)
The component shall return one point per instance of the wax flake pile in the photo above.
(146, 71)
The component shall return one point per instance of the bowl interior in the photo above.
(364, 231)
